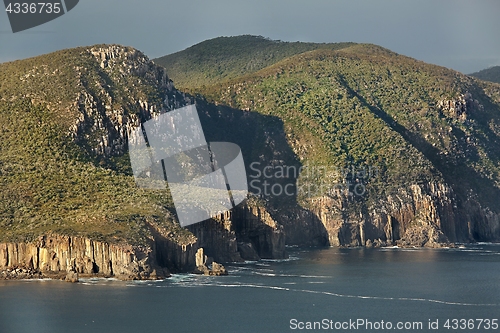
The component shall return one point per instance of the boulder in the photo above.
(217, 269)
(71, 277)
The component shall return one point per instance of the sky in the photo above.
(458, 34)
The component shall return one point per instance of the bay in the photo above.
(332, 287)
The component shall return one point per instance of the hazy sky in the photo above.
(463, 35)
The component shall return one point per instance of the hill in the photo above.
(431, 133)
(54, 160)
(228, 57)
(68, 199)
(490, 74)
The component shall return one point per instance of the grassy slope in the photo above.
(490, 74)
(228, 57)
(50, 184)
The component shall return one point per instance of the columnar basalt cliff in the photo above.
(220, 238)
(246, 232)
(255, 227)
(414, 217)
(54, 255)
(422, 215)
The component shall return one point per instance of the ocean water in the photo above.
(341, 290)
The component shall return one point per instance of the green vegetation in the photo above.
(362, 105)
(297, 104)
(225, 58)
(490, 74)
(50, 183)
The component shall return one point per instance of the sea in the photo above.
(324, 290)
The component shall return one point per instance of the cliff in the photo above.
(62, 253)
(431, 132)
(54, 255)
(427, 215)
(225, 238)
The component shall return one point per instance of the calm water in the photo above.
(393, 285)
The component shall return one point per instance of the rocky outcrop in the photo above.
(206, 265)
(247, 251)
(460, 107)
(254, 225)
(223, 236)
(303, 226)
(105, 113)
(423, 235)
(71, 277)
(217, 238)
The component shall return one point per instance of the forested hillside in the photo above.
(430, 132)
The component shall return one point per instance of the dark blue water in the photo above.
(328, 286)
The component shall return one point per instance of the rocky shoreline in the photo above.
(20, 273)
(204, 265)
(246, 233)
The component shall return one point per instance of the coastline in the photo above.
(26, 274)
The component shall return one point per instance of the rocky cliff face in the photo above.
(423, 215)
(255, 228)
(51, 255)
(226, 238)
(130, 89)
(246, 232)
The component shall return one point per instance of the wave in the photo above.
(461, 248)
(261, 264)
(290, 258)
(293, 275)
(196, 281)
(364, 297)
(38, 280)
